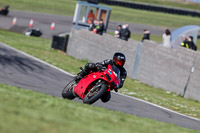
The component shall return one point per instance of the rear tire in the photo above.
(68, 90)
(92, 97)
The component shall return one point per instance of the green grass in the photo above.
(25, 111)
(152, 18)
(40, 48)
(198, 44)
(66, 7)
(63, 7)
(160, 97)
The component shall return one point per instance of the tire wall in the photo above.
(152, 7)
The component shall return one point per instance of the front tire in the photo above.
(68, 90)
(93, 96)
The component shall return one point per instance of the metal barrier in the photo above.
(149, 7)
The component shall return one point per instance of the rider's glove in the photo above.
(99, 67)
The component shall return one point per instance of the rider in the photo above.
(118, 60)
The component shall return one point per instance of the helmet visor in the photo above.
(119, 62)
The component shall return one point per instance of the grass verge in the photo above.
(66, 7)
(25, 111)
(40, 48)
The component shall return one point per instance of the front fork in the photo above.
(98, 84)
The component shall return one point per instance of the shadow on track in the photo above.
(21, 63)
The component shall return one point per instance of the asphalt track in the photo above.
(63, 24)
(22, 70)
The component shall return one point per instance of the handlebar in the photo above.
(100, 67)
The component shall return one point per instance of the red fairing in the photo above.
(85, 84)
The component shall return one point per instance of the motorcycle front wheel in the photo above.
(68, 90)
(94, 94)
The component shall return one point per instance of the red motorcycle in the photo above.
(93, 86)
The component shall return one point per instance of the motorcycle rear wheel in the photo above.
(93, 96)
(68, 90)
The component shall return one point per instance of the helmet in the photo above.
(119, 59)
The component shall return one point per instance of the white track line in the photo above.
(134, 98)
(158, 106)
(39, 60)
